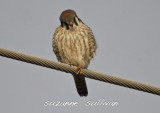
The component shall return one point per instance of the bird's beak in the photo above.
(70, 23)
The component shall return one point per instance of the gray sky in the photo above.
(127, 33)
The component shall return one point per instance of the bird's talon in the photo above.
(79, 70)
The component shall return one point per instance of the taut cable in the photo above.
(87, 73)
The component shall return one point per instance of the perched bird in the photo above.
(74, 44)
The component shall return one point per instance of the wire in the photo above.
(87, 73)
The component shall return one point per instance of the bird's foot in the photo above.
(79, 70)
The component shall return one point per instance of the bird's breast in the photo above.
(73, 46)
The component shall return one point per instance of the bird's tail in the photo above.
(80, 83)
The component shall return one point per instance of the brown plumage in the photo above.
(74, 43)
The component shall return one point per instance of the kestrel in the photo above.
(74, 44)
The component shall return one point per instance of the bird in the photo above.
(74, 44)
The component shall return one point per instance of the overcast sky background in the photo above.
(128, 37)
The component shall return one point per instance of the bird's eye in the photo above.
(67, 26)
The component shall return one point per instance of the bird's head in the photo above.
(68, 18)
